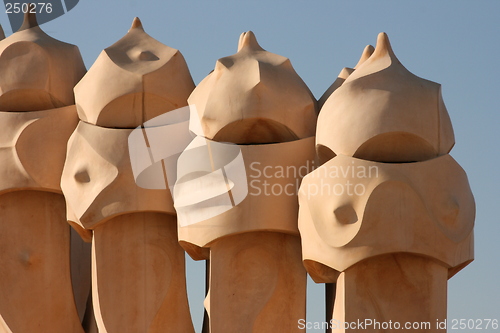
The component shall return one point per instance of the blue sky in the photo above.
(454, 43)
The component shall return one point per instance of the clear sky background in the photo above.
(455, 43)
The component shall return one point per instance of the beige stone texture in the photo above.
(37, 76)
(35, 261)
(344, 74)
(126, 85)
(37, 72)
(138, 270)
(391, 290)
(29, 163)
(257, 283)
(255, 98)
(400, 118)
(80, 272)
(271, 203)
(389, 215)
(352, 210)
(98, 182)
(363, 195)
(243, 99)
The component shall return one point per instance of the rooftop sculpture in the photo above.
(138, 265)
(363, 195)
(37, 114)
(395, 223)
(254, 98)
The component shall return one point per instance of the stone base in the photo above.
(138, 276)
(257, 283)
(35, 281)
(398, 288)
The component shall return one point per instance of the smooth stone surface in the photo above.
(138, 276)
(36, 294)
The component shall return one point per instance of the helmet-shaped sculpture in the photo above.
(37, 72)
(254, 96)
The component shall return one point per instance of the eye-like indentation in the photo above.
(224, 63)
(82, 176)
(346, 214)
(148, 56)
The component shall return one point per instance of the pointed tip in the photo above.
(367, 52)
(2, 33)
(345, 72)
(29, 21)
(248, 40)
(383, 46)
(383, 39)
(136, 24)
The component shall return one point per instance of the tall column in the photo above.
(389, 216)
(37, 76)
(238, 207)
(324, 154)
(138, 268)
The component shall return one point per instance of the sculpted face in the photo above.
(362, 209)
(27, 161)
(97, 179)
(386, 184)
(254, 96)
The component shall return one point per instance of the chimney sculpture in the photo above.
(344, 74)
(138, 268)
(389, 217)
(256, 100)
(323, 155)
(38, 115)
